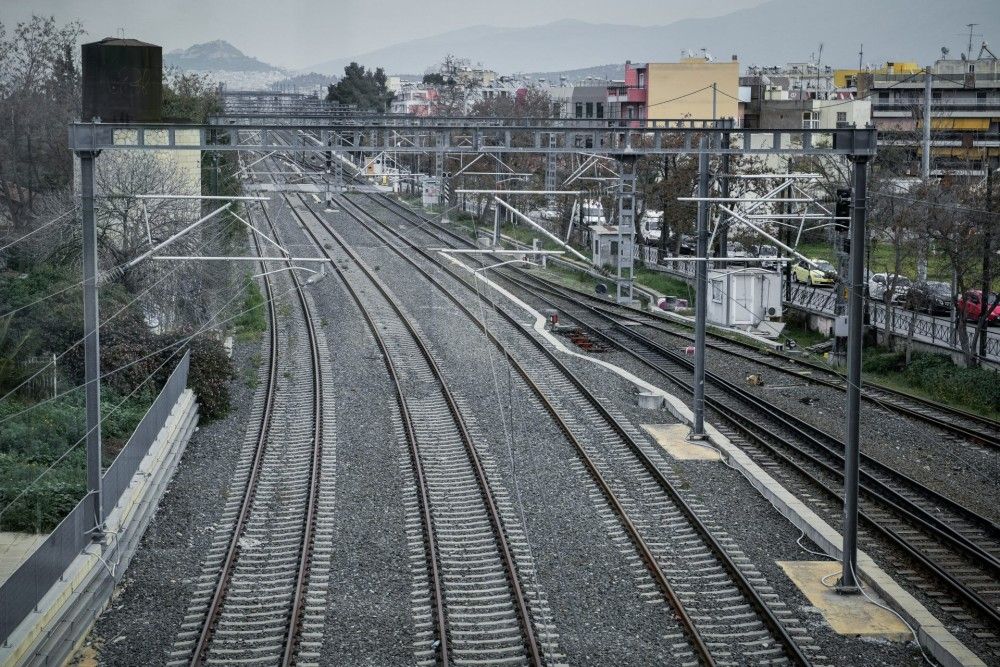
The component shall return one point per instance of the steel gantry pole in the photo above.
(701, 296)
(723, 232)
(91, 339)
(625, 260)
(852, 450)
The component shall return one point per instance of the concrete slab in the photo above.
(846, 614)
(15, 549)
(673, 438)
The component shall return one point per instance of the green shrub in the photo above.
(33, 441)
(211, 370)
(883, 362)
(252, 320)
(937, 375)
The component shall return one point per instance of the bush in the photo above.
(253, 317)
(33, 441)
(884, 362)
(937, 376)
(211, 370)
(976, 387)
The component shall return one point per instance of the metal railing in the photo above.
(936, 331)
(24, 589)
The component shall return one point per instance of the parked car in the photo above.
(932, 297)
(880, 283)
(736, 249)
(689, 244)
(814, 272)
(765, 251)
(970, 304)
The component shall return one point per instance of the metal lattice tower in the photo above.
(626, 230)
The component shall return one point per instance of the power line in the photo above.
(40, 228)
(105, 322)
(165, 348)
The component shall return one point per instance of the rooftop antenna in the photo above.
(970, 26)
(861, 57)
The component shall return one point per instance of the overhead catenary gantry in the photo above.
(340, 132)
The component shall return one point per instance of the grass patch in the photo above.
(802, 336)
(665, 283)
(936, 377)
(32, 443)
(253, 318)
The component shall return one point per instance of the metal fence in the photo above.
(937, 331)
(22, 592)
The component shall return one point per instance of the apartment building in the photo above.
(965, 110)
(681, 90)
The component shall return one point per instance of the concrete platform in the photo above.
(673, 439)
(846, 614)
(15, 549)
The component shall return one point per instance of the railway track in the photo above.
(479, 611)
(957, 547)
(955, 422)
(254, 600)
(743, 628)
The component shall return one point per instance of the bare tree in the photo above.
(457, 88)
(39, 96)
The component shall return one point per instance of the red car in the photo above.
(970, 304)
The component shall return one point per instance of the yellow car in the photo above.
(814, 272)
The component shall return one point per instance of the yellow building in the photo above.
(848, 78)
(668, 91)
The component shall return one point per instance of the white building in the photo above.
(747, 298)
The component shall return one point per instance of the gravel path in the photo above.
(139, 626)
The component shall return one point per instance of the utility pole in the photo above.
(925, 157)
(987, 254)
(626, 230)
(723, 229)
(715, 90)
(848, 583)
(91, 340)
(701, 293)
(214, 183)
(925, 162)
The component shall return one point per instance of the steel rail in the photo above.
(202, 646)
(746, 425)
(309, 519)
(644, 551)
(249, 492)
(987, 436)
(990, 427)
(504, 548)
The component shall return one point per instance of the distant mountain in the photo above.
(219, 55)
(773, 33)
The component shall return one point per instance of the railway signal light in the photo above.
(842, 209)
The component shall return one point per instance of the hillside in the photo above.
(218, 55)
(773, 33)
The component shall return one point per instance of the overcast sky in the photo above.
(298, 33)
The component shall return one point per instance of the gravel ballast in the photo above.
(140, 624)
